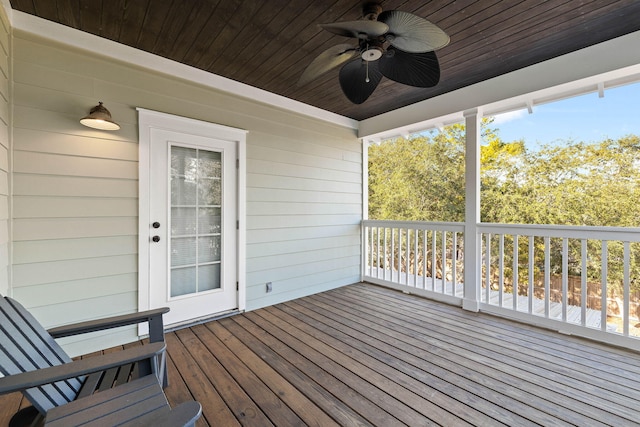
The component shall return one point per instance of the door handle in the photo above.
(156, 239)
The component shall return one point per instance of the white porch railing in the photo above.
(581, 280)
(425, 257)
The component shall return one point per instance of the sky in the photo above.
(586, 118)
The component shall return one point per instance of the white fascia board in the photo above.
(110, 49)
(610, 62)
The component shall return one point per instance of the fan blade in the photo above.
(412, 33)
(327, 60)
(413, 69)
(353, 80)
(360, 29)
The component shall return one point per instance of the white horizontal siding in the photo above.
(66, 207)
(25, 252)
(74, 207)
(268, 195)
(284, 208)
(303, 213)
(333, 256)
(55, 164)
(259, 180)
(73, 269)
(330, 173)
(75, 204)
(74, 145)
(74, 186)
(82, 288)
(72, 228)
(288, 288)
(301, 234)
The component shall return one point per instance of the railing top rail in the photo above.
(628, 234)
(415, 225)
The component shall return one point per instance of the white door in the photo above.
(192, 225)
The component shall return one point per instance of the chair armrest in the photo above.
(184, 414)
(154, 317)
(26, 380)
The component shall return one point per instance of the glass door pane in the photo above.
(196, 220)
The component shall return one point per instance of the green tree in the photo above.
(420, 178)
(571, 183)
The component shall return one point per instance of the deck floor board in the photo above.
(367, 355)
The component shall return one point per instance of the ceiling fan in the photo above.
(395, 44)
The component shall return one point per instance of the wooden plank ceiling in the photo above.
(268, 44)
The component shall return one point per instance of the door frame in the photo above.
(149, 119)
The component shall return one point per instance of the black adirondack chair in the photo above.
(120, 388)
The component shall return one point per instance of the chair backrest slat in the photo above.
(27, 346)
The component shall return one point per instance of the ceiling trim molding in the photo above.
(110, 49)
(610, 63)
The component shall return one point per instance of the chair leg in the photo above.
(27, 417)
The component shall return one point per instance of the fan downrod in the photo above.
(371, 10)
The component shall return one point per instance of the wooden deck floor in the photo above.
(365, 355)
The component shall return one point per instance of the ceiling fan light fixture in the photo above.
(99, 118)
(372, 53)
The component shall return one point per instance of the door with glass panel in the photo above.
(193, 204)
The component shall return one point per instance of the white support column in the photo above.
(472, 248)
(365, 206)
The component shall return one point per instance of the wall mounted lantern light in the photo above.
(99, 118)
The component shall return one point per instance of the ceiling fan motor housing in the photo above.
(371, 10)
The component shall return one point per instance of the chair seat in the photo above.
(137, 403)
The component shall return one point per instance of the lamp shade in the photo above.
(99, 118)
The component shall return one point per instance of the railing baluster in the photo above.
(501, 270)
(399, 254)
(487, 263)
(416, 233)
(378, 251)
(603, 298)
(370, 248)
(531, 273)
(444, 262)
(584, 289)
(565, 277)
(547, 275)
(384, 254)
(454, 256)
(407, 257)
(393, 253)
(424, 259)
(434, 235)
(514, 279)
(626, 285)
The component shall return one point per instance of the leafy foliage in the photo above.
(422, 178)
(572, 183)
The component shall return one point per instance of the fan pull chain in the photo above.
(367, 76)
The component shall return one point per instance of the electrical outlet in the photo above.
(269, 286)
